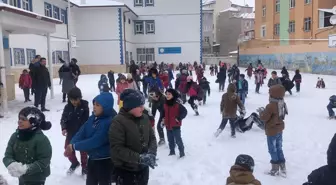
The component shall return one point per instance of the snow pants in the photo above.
(124, 177)
(99, 172)
(330, 108)
(26, 93)
(297, 85)
(73, 159)
(232, 124)
(274, 144)
(174, 138)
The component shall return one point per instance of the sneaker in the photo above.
(161, 142)
(171, 153)
(84, 171)
(275, 170)
(73, 168)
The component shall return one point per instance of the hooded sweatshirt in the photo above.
(240, 176)
(325, 175)
(93, 135)
(229, 103)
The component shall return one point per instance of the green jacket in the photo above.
(36, 153)
(129, 137)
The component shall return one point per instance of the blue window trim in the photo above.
(121, 46)
(49, 7)
(24, 57)
(65, 13)
(201, 31)
(55, 9)
(146, 4)
(28, 50)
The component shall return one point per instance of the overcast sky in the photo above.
(241, 2)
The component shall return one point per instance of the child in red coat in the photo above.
(25, 83)
(165, 79)
(121, 86)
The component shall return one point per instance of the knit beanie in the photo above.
(245, 161)
(35, 117)
(132, 98)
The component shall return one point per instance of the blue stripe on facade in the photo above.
(201, 31)
(121, 37)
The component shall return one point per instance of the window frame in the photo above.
(277, 6)
(291, 27)
(307, 2)
(31, 53)
(277, 29)
(263, 11)
(147, 3)
(55, 55)
(64, 16)
(148, 24)
(307, 24)
(138, 3)
(292, 4)
(145, 54)
(22, 51)
(16, 4)
(56, 9)
(48, 9)
(141, 32)
(26, 3)
(262, 30)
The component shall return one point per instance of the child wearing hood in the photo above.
(174, 113)
(102, 83)
(121, 86)
(28, 153)
(194, 92)
(93, 139)
(241, 173)
(297, 79)
(205, 85)
(110, 75)
(273, 116)
(325, 175)
(228, 108)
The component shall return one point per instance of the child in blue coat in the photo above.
(93, 139)
(242, 88)
(103, 83)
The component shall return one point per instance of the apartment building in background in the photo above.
(292, 33)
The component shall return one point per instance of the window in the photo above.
(64, 17)
(277, 6)
(138, 2)
(263, 31)
(56, 12)
(324, 19)
(129, 21)
(308, 1)
(31, 53)
(139, 27)
(145, 54)
(26, 5)
(307, 24)
(291, 28)
(276, 29)
(55, 56)
(264, 11)
(19, 57)
(15, 3)
(291, 3)
(150, 26)
(47, 9)
(66, 56)
(207, 39)
(149, 2)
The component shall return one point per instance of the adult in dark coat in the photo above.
(284, 71)
(221, 77)
(75, 69)
(42, 81)
(32, 66)
(326, 174)
(68, 82)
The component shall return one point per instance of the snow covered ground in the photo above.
(306, 137)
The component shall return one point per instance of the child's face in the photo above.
(169, 96)
(122, 80)
(97, 109)
(274, 76)
(75, 102)
(23, 123)
(137, 112)
(153, 75)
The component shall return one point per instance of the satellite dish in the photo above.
(334, 10)
(333, 20)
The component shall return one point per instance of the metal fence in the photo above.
(215, 60)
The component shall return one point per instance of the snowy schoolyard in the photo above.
(306, 136)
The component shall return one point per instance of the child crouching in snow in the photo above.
(28, 152)
(273, 116)
(241, 173)
(174, 113)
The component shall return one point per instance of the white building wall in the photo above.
(97, 36)
(129, 35)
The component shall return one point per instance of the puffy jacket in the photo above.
(244, 86)
(183, 84)
(25, 81)
(229, 103)
(154, 83)
(93, 135)
(173, 115)
(165, 80)
(241, 176)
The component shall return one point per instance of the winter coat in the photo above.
(41, 77)
(93, 135)
(221, 76)
(195, 90)
(154, 83)
(132, 84)
(259, 77)
(297, 78)
(284, 71)
(229, 103)
(165, 80)
(129, 137)
(173, 115)
(74, 117)
(36, 152)
(287, 83)
(270, 116)
(244, 86)
(25, 81)
(325, 175)
(240, 176)
(120, 88)
(183, 84)
(200, 74)
(68, 81)
(275, 81)
(249, 71)
(102, 83)
(205, 85)
(110, 76)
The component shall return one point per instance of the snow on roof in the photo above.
(29, 13)
(208, 2)
(231, 9)
(234, 52)
(247, 15)
(97, 3)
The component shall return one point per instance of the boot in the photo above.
(218, 132)
(84, 171)
(182, 154)
(72, 168)
(161, 142)
(275, 170)
(172, 152)
(283, 170)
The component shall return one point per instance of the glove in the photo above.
(16, 169)
(260, 109)
(148, 160)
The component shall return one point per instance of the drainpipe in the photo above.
(124, 32)
(67, 27)
(312, 20)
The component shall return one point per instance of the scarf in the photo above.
(282, 107)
